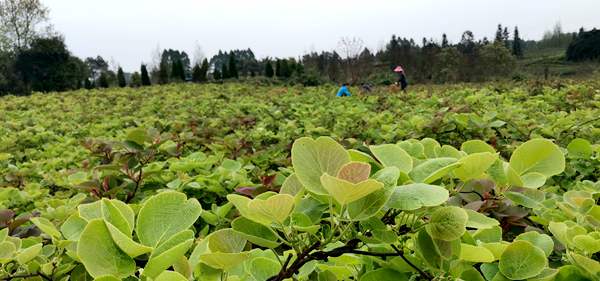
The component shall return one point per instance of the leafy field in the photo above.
(249, 182)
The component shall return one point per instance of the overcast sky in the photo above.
(127, 31)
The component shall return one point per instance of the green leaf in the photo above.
(475, 254)
(385, 274)
(275, 209)
(168, 253)
(587, 243)
(313, 158)
(488, 235)
(26, 255)
(263, 268)
(478, 220)
(224, 261)
(539, 240)
(90, 211)
(415, 196)
(7, 250)
(138, 135)
(391, 155)
(538, 156)
(473, 166)
(291, 185)
(476, 146)
(433, 169)
(226, 241)
(448, 223)
(430, 147)
(256, 233)
(533, 180)
(113, 215)
(522, 260)
(164, 215)
(580, 148)
(100, 255)
(496, 248)
(590, 266)
(170, 276)
(368, 206)
(46, 226)
(355, 172)
(345, 192)
(73, 227)
(125, 243)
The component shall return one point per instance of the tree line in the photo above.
(33, 57)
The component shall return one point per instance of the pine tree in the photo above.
(197, 74)
(233, 71)
(269, 69)
(177, 71)
(121, 78)
(217, 75)
(278, 68)
(145, 77)
(204, 71)
(103, 80)
(499, 37)
(225, 71)
(517, 48)
(445, 43)
(506, 38)
(163, 72)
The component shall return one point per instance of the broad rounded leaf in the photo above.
(226, 241)
(391, 155)
(100, 255)
(580, 148)
(414, 196)
(170, 276)
(533, 180)
(313, 158)
(345, 192)
(433, 169)
(275, 209)
(522, 260)
(355, 172)
(256, 233)
(539, 240)
(73, 227)
(168, 253)
(474, 165)
(479, 221)
(539, 156)
(475, 254)
(476, 146)
(28, 254)
(263, 268)
(291, 185)
(125, 243)
(46, 226)
(164, 215)
(384, 274)
(448, 223)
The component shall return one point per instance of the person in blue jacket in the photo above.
(344, 91)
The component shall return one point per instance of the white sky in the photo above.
(127, 31)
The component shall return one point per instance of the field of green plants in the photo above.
(245, 182)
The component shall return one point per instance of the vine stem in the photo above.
(350, 248)
(421, 272)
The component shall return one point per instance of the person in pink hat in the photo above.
(401, 78)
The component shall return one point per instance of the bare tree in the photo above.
(350, 50)
(20, 21)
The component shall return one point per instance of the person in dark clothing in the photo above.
(402, 81)
(401, 78)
